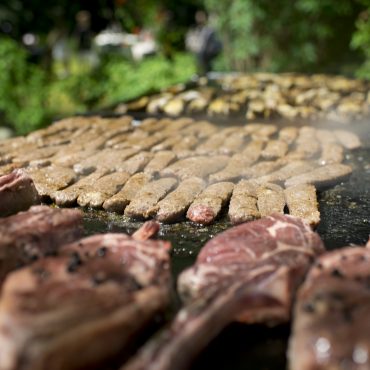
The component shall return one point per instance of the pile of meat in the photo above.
(262, 95)
(70, 303)
(172, 169)
(73, 303)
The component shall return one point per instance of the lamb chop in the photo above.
(78, 309)
(331, 327)
(38, 232)
(17, 193)
(248, 273)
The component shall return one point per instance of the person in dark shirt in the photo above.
(203, 42)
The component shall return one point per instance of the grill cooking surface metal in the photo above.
(345, 211)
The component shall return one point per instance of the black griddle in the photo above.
(345, 220)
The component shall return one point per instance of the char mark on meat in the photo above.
(36, 233)
(248, 273)
(331, 327)
(17, 193)
(84, 306)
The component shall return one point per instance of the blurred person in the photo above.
(203, 42)
(84, 36)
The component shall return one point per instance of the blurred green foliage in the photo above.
(361, 39)
(281, 35)
(29, 98)
(22, 88)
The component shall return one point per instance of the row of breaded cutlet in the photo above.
(173, 169)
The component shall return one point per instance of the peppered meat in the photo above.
(292, 168)
(187, 143)
(261, 131)
(106, 158)
(306, 144)
(85, 305)
(275, 149)
(331, 328)
(38, 232)
(270, 199)
(144, 204)
(209, 203)
(201, 166)
(248, 273)
(167, 144)
(134, 164)
(118, 202)
(17, 193)
(160, 160)
(214, 142)
(50, 179)
(68, 197)
(72, 155)
(234, 143)
(243, 203)
(323, 176)
(261, 169)
(201, 129)
(174, 206)
(288, 134)
(102, 189)
(348, 139)
(331, 153)
(302, 202)
(239, 163)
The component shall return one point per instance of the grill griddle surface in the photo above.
(345, 220)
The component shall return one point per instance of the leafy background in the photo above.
(311, 36)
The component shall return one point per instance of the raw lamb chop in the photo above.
(248, 273)
(331, 327)
(83, 307)
(38, 232)
(17, 193)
